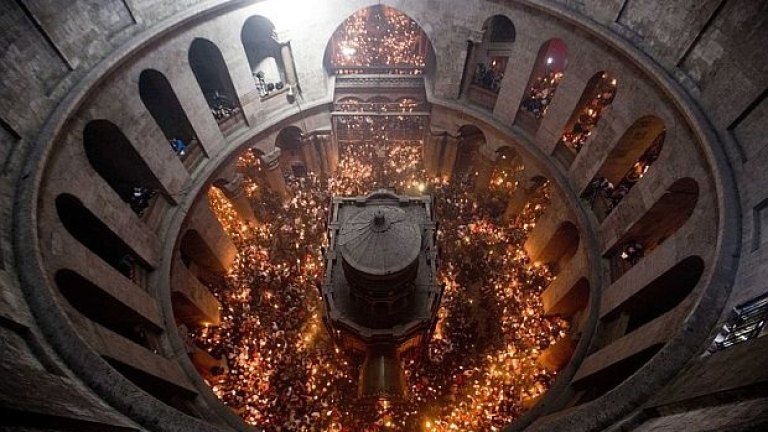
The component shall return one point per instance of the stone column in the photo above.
(469, 69)
(286, 53)
(526, 189)
(310, 153)
(233, 190)
(332, 150)
(321, 146)
(484, 162)
(449, 150)
(431, 154)
(274, 175)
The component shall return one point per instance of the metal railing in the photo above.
(746, 322)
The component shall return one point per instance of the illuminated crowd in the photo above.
(587, 118)
(381, 39)
(282, 371)
(540, 94)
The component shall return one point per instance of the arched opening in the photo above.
(379, 40)
(597, 97)
(568, 305)
(197, 255)
(102, 308)
(292, 157)
(663, 219)
(628, 162)
(160, 100)
(92, 233)
(545, 77)
(661, 295)
(113, 157)
(214, 80)
(490, 61)
(263, 53)
(560, 248)
(471, 138)
(600, 383)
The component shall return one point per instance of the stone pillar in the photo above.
(321, 146)
(469, 69)
(484, 162)
(274, 175)
(332, 150)
(431, 154)
(233, 190)
(310, 153)
(526, 189)
(286, 53)
(450, 150)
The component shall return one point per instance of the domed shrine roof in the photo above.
(380, 240)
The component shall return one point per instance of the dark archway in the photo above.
(667, 215)
(292, 157)
(115, 159)
(92, 233)
(214, 80)
(160, 100)
(561, 248)
(102, 308)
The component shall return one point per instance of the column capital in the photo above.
(272, 159)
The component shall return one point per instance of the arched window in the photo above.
(197, 255)
(100, 307)
(663, 293)
(627, 163)
(92, 233)
(292, 158)
(660, 296)
(560, 248)
(113, 157)
(545, 77)
(379, 40)
(490, 61)
(662, 220)
(214, 80)
(263, 53)
(161, 102)
(597, 96)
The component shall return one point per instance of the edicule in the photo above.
(380, 290)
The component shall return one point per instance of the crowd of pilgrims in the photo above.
(540, 94)
(279, 368)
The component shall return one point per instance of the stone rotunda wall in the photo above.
(70, 85)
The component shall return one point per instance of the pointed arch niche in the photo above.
(160, 100)
(215, 82)
(596, 98)
(115, 159)
(548, 71)
(629, 161)
(487, 62)
(268, 59)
